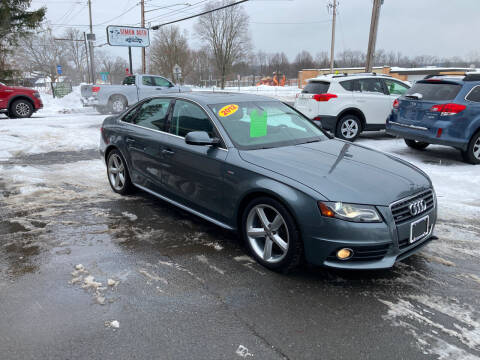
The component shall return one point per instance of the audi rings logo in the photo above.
(417, 207)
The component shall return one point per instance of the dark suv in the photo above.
(440, 110)
(19, 102)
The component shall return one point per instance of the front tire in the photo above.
(117, 173)
(21, 109)
(472, 154)
(271, 234)
(417, 145)
(348, 128)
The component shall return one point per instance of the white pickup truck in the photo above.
(116, 98)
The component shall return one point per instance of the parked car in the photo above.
(116, 98)
(346, 105)
(440, 110)
(257, 166)
(19, 102)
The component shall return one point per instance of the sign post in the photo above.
(177, 72)
(128, 36)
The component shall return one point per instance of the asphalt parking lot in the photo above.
(88, 274)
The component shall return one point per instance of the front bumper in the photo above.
(375, 245)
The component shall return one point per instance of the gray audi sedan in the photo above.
(257, 166)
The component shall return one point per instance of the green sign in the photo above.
(258, 124)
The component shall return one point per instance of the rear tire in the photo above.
(21, 109)
(117, 173)
(472, 154)
(417, 145)
(117, 104)
(277, 245)
(348, 128)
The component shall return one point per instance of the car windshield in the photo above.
(265, 124)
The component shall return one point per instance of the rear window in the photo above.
(316, 87)
(435, 91)
(474, 94)
(129, 80)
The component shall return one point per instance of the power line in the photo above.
(292, 23)
(156, 27)
(179, 11)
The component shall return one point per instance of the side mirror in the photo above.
(170, 85)
(200, 138)
(318, 123)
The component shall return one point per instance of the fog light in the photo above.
(344, 254)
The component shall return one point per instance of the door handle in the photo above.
(130, 140)
(168, 152)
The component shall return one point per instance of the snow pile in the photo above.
(67, 104)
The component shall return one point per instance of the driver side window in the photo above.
(189, 117)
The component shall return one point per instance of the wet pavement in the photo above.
(182, 288)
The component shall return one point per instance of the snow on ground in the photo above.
(62, 125)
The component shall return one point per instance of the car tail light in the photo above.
(95, 89)
(324, 97)
(448, 109)
(439, 132)
(396, 104)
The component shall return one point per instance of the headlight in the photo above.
(349, 212)
(36, 94)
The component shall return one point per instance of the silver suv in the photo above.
(349, 104)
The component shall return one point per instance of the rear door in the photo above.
(306, 104)
(193, 174)
(415, 106)
(372, 99)
(145, 139)
(153, 86)
(4, 94)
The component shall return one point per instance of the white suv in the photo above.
(349, 104)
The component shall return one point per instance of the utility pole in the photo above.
(142, 6)
(86, 57)
(334, 18)
(373, 34)
(90, 43)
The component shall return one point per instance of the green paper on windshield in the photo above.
(258, 124)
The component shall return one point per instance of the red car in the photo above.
(19, 102)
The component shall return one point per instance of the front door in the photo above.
(194, 174)
(145, 140)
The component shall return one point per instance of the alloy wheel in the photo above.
(267, 233)
(349, 129)
(116, 172)
(476, 148)
(22, 109)
(118, 106)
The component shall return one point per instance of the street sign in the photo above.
(91, 37)
(59, 69)
(128, 36)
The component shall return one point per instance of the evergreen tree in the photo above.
(16, 21)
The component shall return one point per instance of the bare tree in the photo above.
(115, 67)
(75, 54)
(303, 60)
(170, 48)
(41, 54)
(322, 59)
(225, 32)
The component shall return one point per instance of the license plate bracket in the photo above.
(419, 228)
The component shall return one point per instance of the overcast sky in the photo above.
(414, 27)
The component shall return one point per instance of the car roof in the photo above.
(341, 77)
(211, 97)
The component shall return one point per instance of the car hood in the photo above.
(21, 88)
(342, 171)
